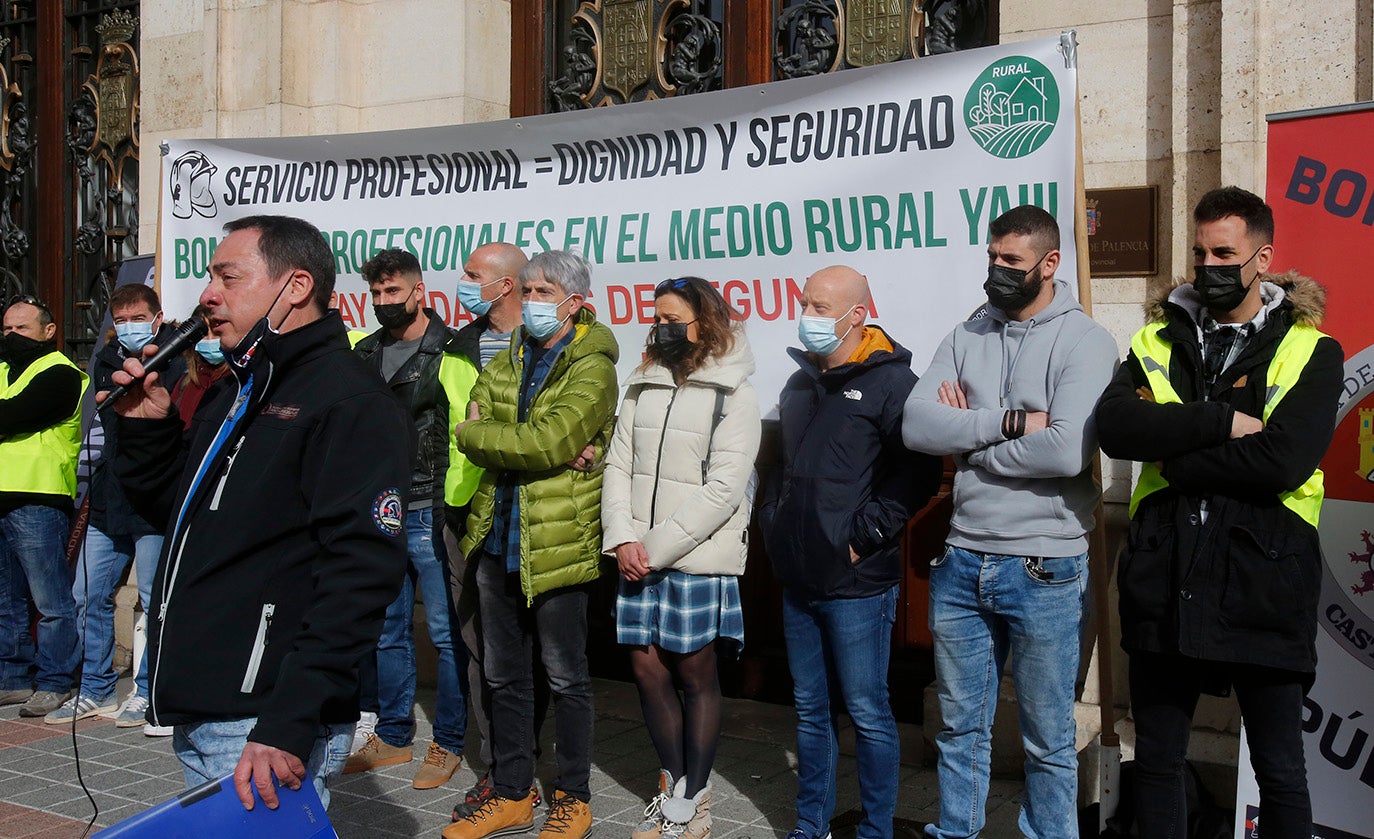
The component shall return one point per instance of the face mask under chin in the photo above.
(243, 353)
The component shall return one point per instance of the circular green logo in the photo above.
(1012, 107)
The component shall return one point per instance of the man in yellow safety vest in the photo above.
(40, 433)
(1228, 399)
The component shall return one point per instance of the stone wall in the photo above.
(267, 68)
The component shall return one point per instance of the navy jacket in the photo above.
(847, 479)
(111, 512)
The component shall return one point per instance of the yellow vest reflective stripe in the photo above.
(41, 461)
(456, 376)
(1285, 368)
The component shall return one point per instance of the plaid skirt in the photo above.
(680, 613)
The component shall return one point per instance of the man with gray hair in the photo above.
(534, 531)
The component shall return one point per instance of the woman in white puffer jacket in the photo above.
(675, 513)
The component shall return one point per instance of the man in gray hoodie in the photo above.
(1011, 395)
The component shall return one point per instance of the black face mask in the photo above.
(394, 315)
(1222, 287)
(671, 340)
(1011, 289)
(20, 349)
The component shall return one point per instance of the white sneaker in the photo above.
(150, 730)
(366, 727)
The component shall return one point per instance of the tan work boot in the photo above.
(439, 766)
(569, 818)
(652, 826)
(374, 754)
(496, 817)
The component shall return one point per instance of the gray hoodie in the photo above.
(1031, 496)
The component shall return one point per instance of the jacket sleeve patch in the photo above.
(387, 513)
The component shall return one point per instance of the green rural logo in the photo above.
(1012, 107)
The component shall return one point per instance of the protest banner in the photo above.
(1319, 184)
(895, 170)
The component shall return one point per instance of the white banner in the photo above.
(895, 170)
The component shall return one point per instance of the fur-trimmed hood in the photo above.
(1307, 296)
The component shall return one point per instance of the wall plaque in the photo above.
(1123, 231)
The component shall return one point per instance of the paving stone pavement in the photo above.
(753, 784)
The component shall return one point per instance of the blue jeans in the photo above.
(210, 750)
(33, 563)
(838, 653)
(396, 648)
(981, 607)
(99, 570)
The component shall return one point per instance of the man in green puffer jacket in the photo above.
(534, 530)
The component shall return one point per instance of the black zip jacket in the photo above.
(111, 512)
(417, 387)
(275, 581)
(847, 478)
(1241, 583)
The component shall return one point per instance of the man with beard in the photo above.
(408, 351)
(1228, 398)
(40, 434)
(1010, 396)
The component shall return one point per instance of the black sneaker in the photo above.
(474, 798)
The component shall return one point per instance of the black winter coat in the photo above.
(847, 479)
(275, 581)
(1241, 583)
(417, 386)
(111, 512)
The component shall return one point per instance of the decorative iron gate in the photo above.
(69, 98)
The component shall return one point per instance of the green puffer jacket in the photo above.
(560, 507)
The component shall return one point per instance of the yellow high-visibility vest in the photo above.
(41, 461)
(457, 374)
(1285, 368)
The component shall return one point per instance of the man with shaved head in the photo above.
(1010, 395)
(490, 292)
(833, 524)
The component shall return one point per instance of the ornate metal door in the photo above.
(69, 97)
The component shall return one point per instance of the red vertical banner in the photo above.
(1321, 186)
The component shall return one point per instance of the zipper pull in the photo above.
(162, 611)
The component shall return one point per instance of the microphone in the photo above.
(183, 339)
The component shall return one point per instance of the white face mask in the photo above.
(541, 319)
(817, 334)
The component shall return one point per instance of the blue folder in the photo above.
(213, 811)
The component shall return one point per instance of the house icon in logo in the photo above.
(1028, 101)
(190, 188)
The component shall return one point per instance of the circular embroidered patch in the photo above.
(387, 513)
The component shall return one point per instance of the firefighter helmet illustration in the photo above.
(190, 188)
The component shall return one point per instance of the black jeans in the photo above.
(509, 628)
(1164, 694)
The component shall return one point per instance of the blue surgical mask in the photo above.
(470, 295)
(541, 319)
(210, 350)
(817, 334)
(133, 336)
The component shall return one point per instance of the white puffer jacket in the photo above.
(670, 482)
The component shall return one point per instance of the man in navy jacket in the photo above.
(833, 524)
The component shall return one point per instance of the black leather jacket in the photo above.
(416, 384)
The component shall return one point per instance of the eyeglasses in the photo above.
(669, 285)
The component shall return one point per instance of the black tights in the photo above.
(684, 730)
